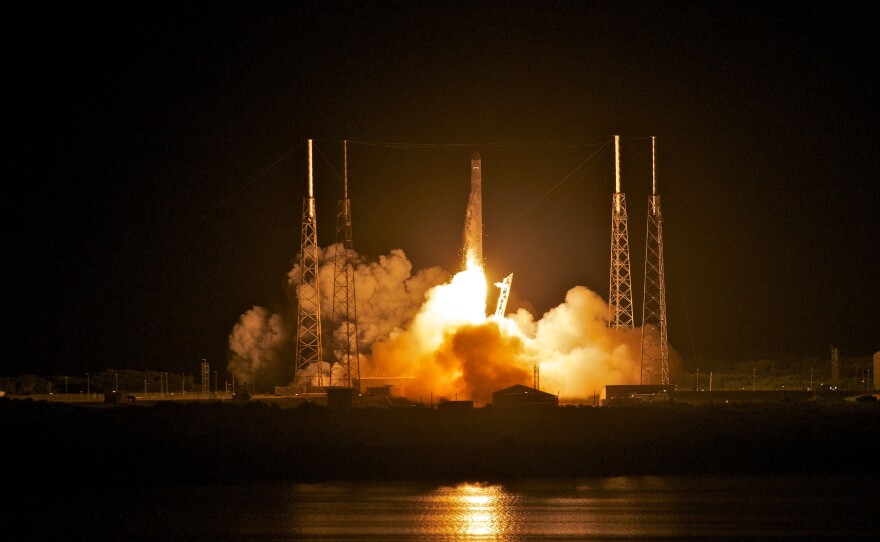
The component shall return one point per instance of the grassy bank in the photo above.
(58, 444)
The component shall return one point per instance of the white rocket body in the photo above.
(473, 228)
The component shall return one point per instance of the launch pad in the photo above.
(322, 371)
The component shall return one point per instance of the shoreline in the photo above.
(171, 443)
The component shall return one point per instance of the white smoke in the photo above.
(419, 325)
(576, 351)
(256, 342)
(388, 297)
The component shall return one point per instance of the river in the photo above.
(793, 507)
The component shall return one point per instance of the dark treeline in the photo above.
(65, 445)
(107, 381)
(779, 373)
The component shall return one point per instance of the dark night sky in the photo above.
(160, 163)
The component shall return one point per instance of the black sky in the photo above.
(160, 162)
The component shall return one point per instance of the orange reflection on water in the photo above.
(470, 511)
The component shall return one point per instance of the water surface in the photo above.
(622, 508)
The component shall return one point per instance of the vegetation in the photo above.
(67, 445)
(101, 382)
(778, 373)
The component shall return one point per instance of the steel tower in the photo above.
(308, 329)
(620, 310)
(346, 370)
(655, 347)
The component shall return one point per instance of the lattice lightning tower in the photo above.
(308, 329)
(346, 370)
(620, 310)
(655, 347)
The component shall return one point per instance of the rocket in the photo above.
(473, 228)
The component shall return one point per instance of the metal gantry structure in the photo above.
(503, 295)
(620, 307)
(345, 371)
(655, 346)
(308, 329)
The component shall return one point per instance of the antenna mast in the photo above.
(655, 347)
(620, 311)
(346, 371)
(308, 329)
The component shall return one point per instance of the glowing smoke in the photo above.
(453, 350)
(576, 350)
(388, 297)
(433, 328)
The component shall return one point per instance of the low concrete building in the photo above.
(455, 406)
(341, 397)
(741, 396)
(380, 391)
(635, 393)
(521, 397)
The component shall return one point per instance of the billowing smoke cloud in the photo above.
(432, 329)
(576, 352)
(388, 296)
(256, 343)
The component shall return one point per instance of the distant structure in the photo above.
(537, 376)
(473, 225)
(620, 291)
(520, 398)
(630, 394)
(835, 367)
(345, 371)
(655, 347)
(308, 328)
(206, 377)
(877, 371)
